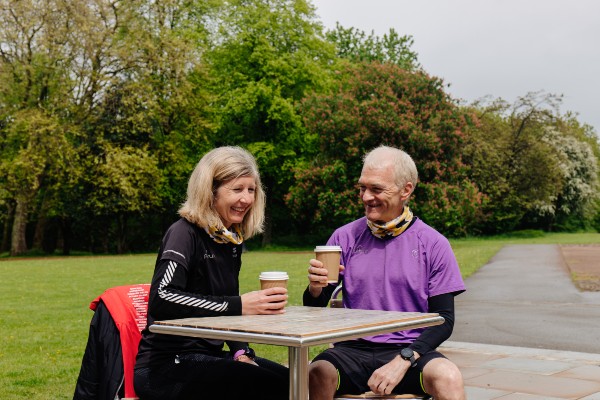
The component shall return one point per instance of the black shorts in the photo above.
(356, 360)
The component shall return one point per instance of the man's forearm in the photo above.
(434, 336)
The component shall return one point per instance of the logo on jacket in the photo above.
(360, 249)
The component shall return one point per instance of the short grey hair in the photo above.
(405, 169)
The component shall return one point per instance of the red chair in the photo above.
(115, 332)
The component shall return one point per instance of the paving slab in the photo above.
(525, 396)
(595, 396)
(542, 367)
(541, 385)
(484, 393)
(591, 372)
(508, 372)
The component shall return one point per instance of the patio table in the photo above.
(298, 329)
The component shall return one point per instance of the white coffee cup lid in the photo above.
(327, 248)
(273, 275)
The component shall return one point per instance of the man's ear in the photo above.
(407, 190)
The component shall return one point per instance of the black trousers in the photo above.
(201, 376)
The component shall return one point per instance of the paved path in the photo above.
(524, 297)
(519, 373)
(524, 332)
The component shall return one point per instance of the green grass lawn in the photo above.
(44, 314)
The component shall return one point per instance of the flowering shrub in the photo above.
(373, 104)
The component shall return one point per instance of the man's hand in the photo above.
(387, 377)
(317, 277)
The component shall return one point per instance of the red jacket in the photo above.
(128, 306)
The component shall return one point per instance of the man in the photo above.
(391, 260)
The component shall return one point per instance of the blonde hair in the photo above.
(216, 167)
(405, 169)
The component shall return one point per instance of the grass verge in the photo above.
(44, 314)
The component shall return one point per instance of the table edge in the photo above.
(295, 341)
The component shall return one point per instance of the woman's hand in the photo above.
(268, 301)
(245, 359)
(317, 277)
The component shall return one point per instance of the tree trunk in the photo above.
(10, 209)
(18, 243)
(121, 234)
(40, 231)
(66, 235)
(267, 234)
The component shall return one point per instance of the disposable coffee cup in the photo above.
(330, 257)
(273, 279)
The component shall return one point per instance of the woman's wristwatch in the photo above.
(248, 352)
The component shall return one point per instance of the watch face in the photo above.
(250, 352)
(406, 353)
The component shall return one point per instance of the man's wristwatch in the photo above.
(409, 355)
(248, 352)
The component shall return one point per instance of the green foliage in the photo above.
(373, 104)
(323, 197)
(533, 166)
(34, 53)
(578, 186)
(125, 181)
(595, 220)
(127, 79)
(526, 233)
(105, 110)
(454, 209)
(354, 45)
(267, 55)
(38, 166)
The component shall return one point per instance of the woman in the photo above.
(196, 275)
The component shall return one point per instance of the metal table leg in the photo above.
(298, 362)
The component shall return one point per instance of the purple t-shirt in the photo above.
(397, 274)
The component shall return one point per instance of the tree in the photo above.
(356, 46)
(52, 65)
(159, 96)
(267, 54)
(577, 187)
(373, 104)
(118, 73)
(31, 53)
(126, 183)
(510, 161)
(37, 163)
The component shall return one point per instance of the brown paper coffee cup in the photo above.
(273, 279)
(330, 257)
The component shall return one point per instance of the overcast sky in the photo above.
(501, 48)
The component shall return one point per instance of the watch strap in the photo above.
(411, 359)
(248, 352)
(238, 354)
